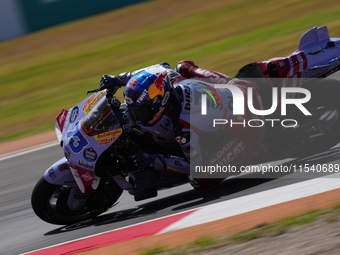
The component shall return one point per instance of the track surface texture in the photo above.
(22, 231)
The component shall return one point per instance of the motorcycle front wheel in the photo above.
(49, 202)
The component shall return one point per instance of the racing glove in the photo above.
(114, 82)
(142, 160)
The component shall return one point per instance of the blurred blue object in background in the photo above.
(18, 17)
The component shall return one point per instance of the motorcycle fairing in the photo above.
(59, 173)
(313, 38)
(89, 129)
(60, 122)
(318, 55)
(86, 180)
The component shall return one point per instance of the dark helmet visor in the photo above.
(146, 112)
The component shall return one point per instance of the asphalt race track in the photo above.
(22, 231)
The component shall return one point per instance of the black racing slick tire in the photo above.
(49, 202)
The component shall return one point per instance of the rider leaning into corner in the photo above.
(161, 103)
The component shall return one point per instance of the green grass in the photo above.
(200, 244)
(279, 227)
(334, 214)
(152, 251)
(46, 71)
(205, 241)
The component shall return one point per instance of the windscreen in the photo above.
(99, 118)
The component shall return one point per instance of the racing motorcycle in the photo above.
(99, 135)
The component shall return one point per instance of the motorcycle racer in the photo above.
(162, 102)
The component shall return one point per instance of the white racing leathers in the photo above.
(208, 131)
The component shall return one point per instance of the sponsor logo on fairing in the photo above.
(62, 116)
(61, 119)
(108, 134)
(51, 174)
(88, 105)
(90, 154)
(87, 177)
(106, 141)
(86, 164)
(63, 167)
(74, 114)
(88, 102)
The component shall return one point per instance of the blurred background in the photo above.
(53, 51)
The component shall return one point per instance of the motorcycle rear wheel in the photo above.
(59, 213)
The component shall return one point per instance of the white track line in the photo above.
(239, 205)
(256, 201)
(27, 150)
(227, 208)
